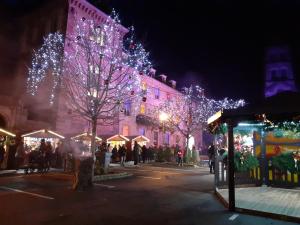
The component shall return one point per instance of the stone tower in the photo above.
(279, 76)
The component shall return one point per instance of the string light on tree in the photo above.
(48, 58)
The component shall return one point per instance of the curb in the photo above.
(112, 176)
(7, 173)
(259, 213)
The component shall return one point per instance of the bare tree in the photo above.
(100, 74)
(189, 112)
(94, 69)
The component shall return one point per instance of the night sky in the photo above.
(218, 43)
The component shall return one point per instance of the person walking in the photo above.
(122, 154)
(180, 157)
(211, 156)
(48, 156)
(136, 150)
(2, 152)
(20, 155)
(144, 151)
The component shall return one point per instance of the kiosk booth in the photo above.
(86, 139)
(117, 140)
(140, 139)
(33, 139)
(8, 149)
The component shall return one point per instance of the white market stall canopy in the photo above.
(116, 138)
(43, 134)
(140, 138)
(85, 137)
(6, 133)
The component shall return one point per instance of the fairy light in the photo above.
(49, 57)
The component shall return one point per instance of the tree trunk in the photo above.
(187, 148)
(93, 144)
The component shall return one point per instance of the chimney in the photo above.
(152, 72)
(163, 78)
(173, 83)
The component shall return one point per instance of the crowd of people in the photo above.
(20, 156)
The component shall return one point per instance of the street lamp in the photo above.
(163, 117)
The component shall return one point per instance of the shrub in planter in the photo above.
(243, 161)
(167, 154)
(285, 162)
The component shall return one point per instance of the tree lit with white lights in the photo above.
(189, 112)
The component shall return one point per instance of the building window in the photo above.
(283, 74)
(125, 130)
(273, 74)
(127, 108)
(142, 131)
(144, 86)
(155, 138)
(168, 96)
(143, 109)
(167, 138)
(156, 93)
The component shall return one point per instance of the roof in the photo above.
(5, 132)
(44, 133)
(139, 138)
(85, 136)
(117, 137)
(284, 106)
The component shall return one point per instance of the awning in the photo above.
(85, 137)
(43, 134)
(117, 137)
(7, 133)
(140, 138)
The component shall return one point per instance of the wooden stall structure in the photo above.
(33, 139)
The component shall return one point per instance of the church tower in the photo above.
(279, 76)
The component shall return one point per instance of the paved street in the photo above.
(153, 195)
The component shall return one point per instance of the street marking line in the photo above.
(157, 171)
(28, 193)
(154, 178)
(104, 185)
(233, 217)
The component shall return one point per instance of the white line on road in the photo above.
(233, 217)
(104, 185)
(25, 192)
(154, 178)
(150, 171)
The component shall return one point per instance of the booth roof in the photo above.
(283, 106)
(85, 136)
(5, 132)
(139, 138)
(117, 137)
(43, 134)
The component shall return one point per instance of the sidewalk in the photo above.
(7, 172)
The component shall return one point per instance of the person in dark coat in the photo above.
(2, 152)
(122, 154)
(144, 152)
(114, 154)
(211, 156)
(20, 155)
(136, 150)
(48, 155)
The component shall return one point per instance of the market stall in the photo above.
(117, 140)
(8, 147)
(263, 142)
(33, 139)
(85, 139)
(140, 139)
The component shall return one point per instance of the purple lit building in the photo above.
(279, 76)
